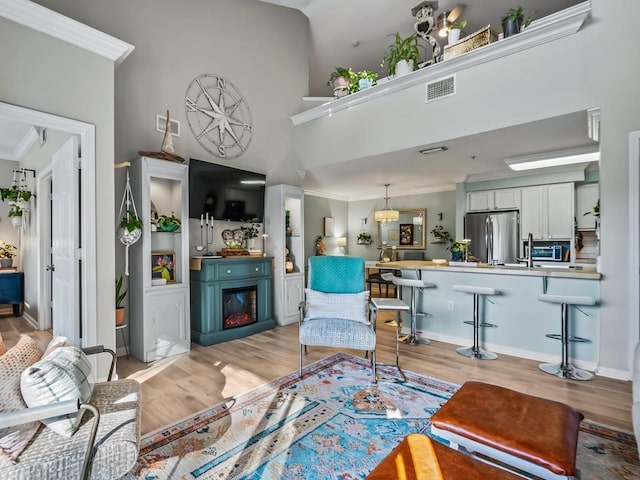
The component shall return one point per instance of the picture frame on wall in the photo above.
(406, 234)
(163, 267)
(328, 227)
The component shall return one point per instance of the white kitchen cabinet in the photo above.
(160, 320)
(284, 223)
(547, 212)
(586, 198)
(503, 199)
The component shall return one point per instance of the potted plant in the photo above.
(440, 235)
(595, 211)
(120, 294)
(364, 238)
(513, 21)
(341, 80)
(454, 31)
(131, 222)
(7, 252)
(402, 56)
(250, 230)
(18, 200)
(364, 79)
(168, 223)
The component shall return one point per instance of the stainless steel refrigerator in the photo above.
(495, 236)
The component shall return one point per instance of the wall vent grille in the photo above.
(440, 88)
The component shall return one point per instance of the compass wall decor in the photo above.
(218, 116)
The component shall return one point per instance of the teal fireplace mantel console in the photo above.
(223, 291)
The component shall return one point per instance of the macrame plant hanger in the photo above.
(127, 208)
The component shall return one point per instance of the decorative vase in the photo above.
(6, 262)
(340, 87)
(365, 83)
(403, 68)
(511, 26)
(119, 316)
(454, 35)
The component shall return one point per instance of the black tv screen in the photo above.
(225, 193)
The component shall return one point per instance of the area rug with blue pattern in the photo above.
(331, 424)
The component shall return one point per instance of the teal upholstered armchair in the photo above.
(335, 312)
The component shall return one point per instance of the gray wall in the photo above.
(49, 75)
(588, 69)
(315, 209)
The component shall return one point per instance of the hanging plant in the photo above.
(364, 238)
(440, 234)
(131, 221)
(17, 198)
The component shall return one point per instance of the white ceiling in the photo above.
(336, 25)
(15, 139)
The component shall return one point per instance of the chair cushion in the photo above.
(336, 274)
(64, 374)
(25, 353)
(336, 332)
(348, 306)
(116, 447)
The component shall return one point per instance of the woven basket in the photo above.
(477, 39)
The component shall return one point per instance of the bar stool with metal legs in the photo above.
(475, 351)
(390, 304)
(415, 284)
(564, 368)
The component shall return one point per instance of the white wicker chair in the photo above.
(104, 447)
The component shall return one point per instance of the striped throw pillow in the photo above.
(23, 354)
(347, 306)
(64, 374)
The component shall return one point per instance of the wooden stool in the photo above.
(564, 368)
(533, 434)
(475, 351)
(418, 457)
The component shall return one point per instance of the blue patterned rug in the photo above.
(332, 424)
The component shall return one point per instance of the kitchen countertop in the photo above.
(585, 273)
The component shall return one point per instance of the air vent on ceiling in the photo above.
(441, 88)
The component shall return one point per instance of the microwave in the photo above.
(551, 253)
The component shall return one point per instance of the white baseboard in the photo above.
(614, 373)
(529, 355)
(30, 320)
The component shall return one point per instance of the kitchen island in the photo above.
(521, 319)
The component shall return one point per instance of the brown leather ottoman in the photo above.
(418, 457)
(533, 434)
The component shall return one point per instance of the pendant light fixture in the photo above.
(388, 214)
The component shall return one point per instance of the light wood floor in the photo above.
(179, 386)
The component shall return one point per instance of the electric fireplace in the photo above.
(239, 306)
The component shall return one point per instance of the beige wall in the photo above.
(45, 74)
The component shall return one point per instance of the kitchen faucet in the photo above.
(529, 257)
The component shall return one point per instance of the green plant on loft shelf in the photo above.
(131, 222)
(401, 49)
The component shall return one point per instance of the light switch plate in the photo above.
(161, 121)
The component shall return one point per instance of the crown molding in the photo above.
(37, 17)
(577, 169)
(26, 143)
(552, 27)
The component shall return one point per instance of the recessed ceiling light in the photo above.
(554, 159)
(427, 151)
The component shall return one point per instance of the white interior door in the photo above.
(65, 252)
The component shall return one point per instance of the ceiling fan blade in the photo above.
(455, 12)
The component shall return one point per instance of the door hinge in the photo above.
(77, 254)
(78, 164)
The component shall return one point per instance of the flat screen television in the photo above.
(225, 193)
